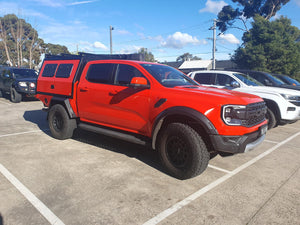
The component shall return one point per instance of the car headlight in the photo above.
(291, 97)
(32, 85)
(22, 84)
(234, 114)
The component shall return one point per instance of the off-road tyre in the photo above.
(61, 126)
(182, 151)
(272, 122)
(15, 97)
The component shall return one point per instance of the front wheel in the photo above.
(61, 126)
(182, 151)
(15, 97)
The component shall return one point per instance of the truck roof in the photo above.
(89, 57)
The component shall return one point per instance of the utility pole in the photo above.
(110, 33)
(214, 44)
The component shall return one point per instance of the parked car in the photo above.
(288, 80)
(149, 103)
(283, 104)
(17, 83)
(266, 79)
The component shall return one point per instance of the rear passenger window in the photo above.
(125, 73)
(49, 70)
(203, 78)
(64, 70)
(100, 73)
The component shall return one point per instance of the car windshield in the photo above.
(168, 76)
(274, 79)
(289, 80)
(22, 73)
(248, 80)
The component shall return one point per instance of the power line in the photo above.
(149, 37)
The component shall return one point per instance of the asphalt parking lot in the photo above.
(93, 179)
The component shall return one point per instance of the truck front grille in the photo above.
(256, 113)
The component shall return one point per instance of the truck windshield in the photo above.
(22, 73)
(168, 76)
(248, 80)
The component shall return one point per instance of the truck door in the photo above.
(105, 97)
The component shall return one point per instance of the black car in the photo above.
(266, 79)
(288, 80)
(17, 82)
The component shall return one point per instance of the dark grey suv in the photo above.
(17, 82)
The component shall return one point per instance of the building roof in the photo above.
(195, 64)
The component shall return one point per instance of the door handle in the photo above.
(84, 89)
(52, 86)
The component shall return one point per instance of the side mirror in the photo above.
(235, 84)
(139, 82)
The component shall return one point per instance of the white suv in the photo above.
(283, 104)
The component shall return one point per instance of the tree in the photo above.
(149, 57)
(20, 44)
(187, 56)
(265, 8)
(270, 46)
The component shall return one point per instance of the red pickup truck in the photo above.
(150, 103)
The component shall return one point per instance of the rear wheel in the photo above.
(15, 96)
(271, 119)
(61, 126)
(182, 151)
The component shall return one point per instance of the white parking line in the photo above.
(26, 132)
(163, 215)
(274, 142)
(218, 168)
(41, 207)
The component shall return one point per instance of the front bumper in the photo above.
(291, 113)
(26, 90)
(239, 144)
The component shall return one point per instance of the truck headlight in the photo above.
(22, 84)
(234, 114)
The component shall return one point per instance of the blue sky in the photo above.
(166, 28)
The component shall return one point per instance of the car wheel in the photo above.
(182, 151)
(15, 96)
(61, 126)
(271, 119)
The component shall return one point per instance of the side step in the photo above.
(112, 133)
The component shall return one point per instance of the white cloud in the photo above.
(59, 3)
(80, 3)
(130, 49)
(98, 44)
(15, 8)
(213, 6)
(179, 40)
(229, 38)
